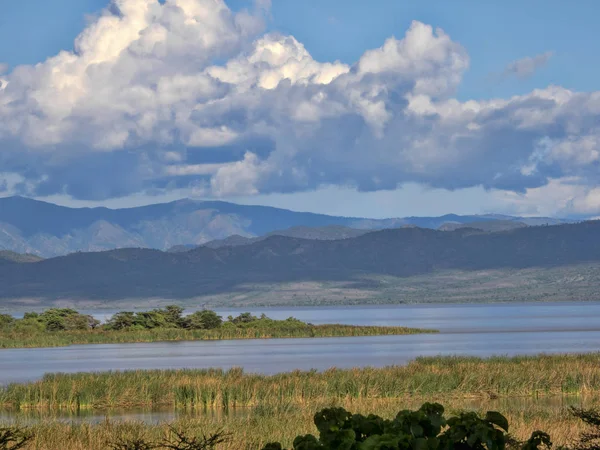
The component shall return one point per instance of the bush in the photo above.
(410, 430)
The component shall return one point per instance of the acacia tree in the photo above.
(173, 315)
(204, 320)
(121, 320)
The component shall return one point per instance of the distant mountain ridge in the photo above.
(326, 233)
(6, 256)
(402, 252)
(48, 230)
(489, 225)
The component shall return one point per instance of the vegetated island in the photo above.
(59, 327)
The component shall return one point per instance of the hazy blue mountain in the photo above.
(47, 230)
(401, 252)
(488, 225)
(30, 226)
(326, 233)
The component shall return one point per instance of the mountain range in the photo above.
(49, 230)
(396, 253)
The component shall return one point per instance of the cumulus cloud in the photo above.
(525, 67)
(188, 94)
(567, 196)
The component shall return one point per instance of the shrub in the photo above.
(424, 429)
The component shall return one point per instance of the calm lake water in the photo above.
(479, 330)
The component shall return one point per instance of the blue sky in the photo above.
(493, 34)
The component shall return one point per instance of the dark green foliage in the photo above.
(244, 318)
(469, 431)
(203, 320)
(538, 440)
(170, 317)
(14, 438)
(273, 446)
(121, 321)
(424, 429)
(173, 315)
(151, 319)
(61, 319)
(6, 320)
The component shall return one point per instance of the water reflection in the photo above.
(167, 415)
(150, 416)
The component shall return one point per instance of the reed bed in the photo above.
(442, 377)
(263, 424)
(65, 338)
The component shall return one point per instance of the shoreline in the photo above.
(68, 338)
(284, 306)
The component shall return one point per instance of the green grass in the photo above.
(444, 377)
(64, 338)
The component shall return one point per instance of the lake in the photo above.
(477, 330)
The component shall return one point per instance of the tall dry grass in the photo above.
(65, 338)
(262, 424)
(442, 378)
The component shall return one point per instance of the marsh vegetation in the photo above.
(258, 409)
(64, 326)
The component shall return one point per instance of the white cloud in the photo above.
(143, 105)
(241, 176)
(426, 57)
(567, 196)
(525, 67)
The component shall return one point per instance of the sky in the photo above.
(339, 107)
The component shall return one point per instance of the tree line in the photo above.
(170, 317)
